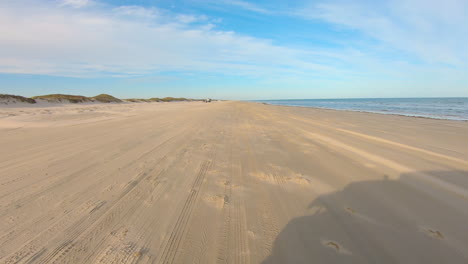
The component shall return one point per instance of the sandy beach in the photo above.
(230, 182)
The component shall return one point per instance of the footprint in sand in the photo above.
(216, 201)
(336, 246)
(262, 176)
(299, 180)
(109, 188)
(358, 215)
(432, 232)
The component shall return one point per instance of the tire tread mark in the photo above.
(30, 247)
(169, 253)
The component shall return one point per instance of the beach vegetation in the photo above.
(58, 98)
(17, 98)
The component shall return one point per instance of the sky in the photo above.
(235, 49)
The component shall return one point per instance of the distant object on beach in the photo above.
(207, 100)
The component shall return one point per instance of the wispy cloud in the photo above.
(130, 40)
(136, 11)
(75, 3)
(246, 6)
(432, 31)
(400, 43)
(429, 30)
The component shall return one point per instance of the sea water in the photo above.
(440, 108)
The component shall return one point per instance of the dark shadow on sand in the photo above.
(408, 220)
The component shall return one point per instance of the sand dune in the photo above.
(230, 182)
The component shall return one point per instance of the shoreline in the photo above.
(369, 112)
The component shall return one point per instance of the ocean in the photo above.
(454, 108)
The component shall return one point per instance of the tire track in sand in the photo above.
(172, 246)
(75, 231)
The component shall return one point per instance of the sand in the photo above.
(230, 182)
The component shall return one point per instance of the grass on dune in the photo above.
(17, 98)
(102, 98)
(62, 97)
(105, 98)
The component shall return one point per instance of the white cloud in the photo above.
(431, 30)
(135, 41)
(231, 5)
(187, 19)
(246, 6)
(136, 11)
(75, 3)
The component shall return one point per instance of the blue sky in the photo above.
(235, 49)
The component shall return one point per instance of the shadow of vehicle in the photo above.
(409, 220)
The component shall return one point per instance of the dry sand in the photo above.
(230, 182)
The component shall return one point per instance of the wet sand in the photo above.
(230, 182)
